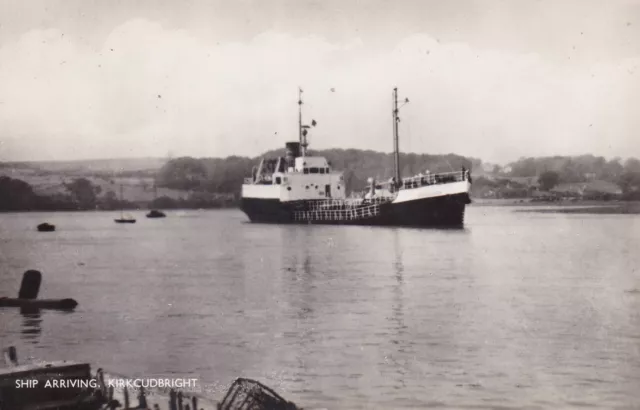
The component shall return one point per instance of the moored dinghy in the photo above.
(154, 213)
(124, 219)
(46, 227)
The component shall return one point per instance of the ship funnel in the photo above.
(293, 152)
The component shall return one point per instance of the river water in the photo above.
(518, 310)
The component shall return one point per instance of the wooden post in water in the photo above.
(30, 286)
(126, 398)
(194, 403)
(112, 403)
(172, 400)
(103, 387)
(11, 356)
(180, 400)
(142, 399)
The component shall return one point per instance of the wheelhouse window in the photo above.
(314, 170)
(322, 170)
(278, 180)
(305, 170)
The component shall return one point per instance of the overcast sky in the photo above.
(490, 79)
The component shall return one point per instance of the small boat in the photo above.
(124, 219)
(46, 227)
(154, 213)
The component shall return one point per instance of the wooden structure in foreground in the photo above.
(72, 386)
(244, 394)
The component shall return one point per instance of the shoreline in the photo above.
(529, 202)
(566, 206)
(586, 207)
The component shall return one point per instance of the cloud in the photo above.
(149, 90)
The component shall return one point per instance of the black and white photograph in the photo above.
(319, 204)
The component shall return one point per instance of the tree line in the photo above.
(555, 170)
(217, 182)
(82, 195)
(226, 175)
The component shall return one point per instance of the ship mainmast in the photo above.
(396, 144)
(301, 134)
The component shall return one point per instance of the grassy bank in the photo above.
(563, 203)
(620, 208)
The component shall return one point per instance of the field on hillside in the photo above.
(49, 178)
(93, 165)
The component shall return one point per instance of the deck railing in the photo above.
(345, 214)
(345, 204)
(407, 183)
(434, 179)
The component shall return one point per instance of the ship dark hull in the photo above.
(443, 211)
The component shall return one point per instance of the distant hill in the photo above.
(92, 165)
(201, 182)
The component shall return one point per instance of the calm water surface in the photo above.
(518, 310)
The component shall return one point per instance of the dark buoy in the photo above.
(154, 213)
(46, 227)
(30, 286)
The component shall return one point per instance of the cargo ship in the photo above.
(304, 189)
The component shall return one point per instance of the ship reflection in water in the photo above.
(399, 359)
